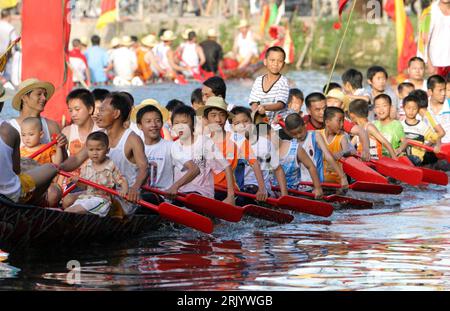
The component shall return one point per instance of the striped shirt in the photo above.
(443, 118)
(279, 92)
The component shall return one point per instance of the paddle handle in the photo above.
(69, 190)
(420, 145)
(43, 148)
(294, 191)
(180, 196)
(248, 195)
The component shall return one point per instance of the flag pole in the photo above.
(340, 46)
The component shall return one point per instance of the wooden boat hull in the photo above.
(23, 226)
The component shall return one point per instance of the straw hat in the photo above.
(212, 33)
(243, 23)
(5, 94)
(115, 42)
(149, 40)
(185, 34)
(149, 102)
(168, 35)
(336, 93)
(84, 41)
(214, 102)
(126, 41)
(28, 86)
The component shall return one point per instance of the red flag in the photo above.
(45, 39)
(342, 4)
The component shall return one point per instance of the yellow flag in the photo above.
(6, 4)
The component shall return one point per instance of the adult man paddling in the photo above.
(21, 187)
(126, 148)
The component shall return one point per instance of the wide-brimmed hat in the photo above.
(5, 93)
(126, 41)
(29, 85)
(168, 35)
(336, 93)
(149, 40)
(186, 33)
(212, 33)
(115, 42)
(214, 102)
(149, 102)
(84, 41)
(243, 23)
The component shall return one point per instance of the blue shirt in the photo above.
(97, 61)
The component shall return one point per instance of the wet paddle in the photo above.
(428, 175)
(332, 198)
(165, 210)
(226, 211)
(363, 186)
(356, 169)
(397, 170)
(45, 147)
(293, 203)
(443, 154)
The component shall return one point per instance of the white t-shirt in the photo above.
(208, 158)
(439, 45)
(443, 118)
(125, 62)
(7, 34)
(279, 92)
(80, 67)
(162, 158)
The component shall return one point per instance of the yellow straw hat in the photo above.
(126, 41)
(149, 40)
(115, 42)
(214, 102)
(149, 102)
(29, 85)
(212, 33)
(243, 23)
(168, 35)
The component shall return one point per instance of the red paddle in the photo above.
(293, 203)
(45, 147)
(165, 210)
(226, 211)
(398, 170)
(332, 198)
(363, 186)
(69, 190)
(428, 175)
(445, 149)
(356, 169)
(179, 79)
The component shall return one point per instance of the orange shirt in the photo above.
(143, 71)
(44, 158)
(334, 146)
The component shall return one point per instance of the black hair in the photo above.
(403, 85)
(217, 85)
(95, 40)
(433, 80)
(372, 71)
(330, 112)
(191, 35)
(293, 121)
(196, 96)
(186, 111)
(314, 97)
(383, 96)
(174, 104)
(295, 93)
(332, 86)
(411, 98)
(275, 49)
(208, 110)
(84, 95)
(359, 107)
(149, 108)
(354, 77)
(415, 59)
(129, 97)
(98, 136)
(240, 109)
(422, 96)
(76, 43)
(5, 13)
(134, 39)
(100, 94)
(121, 102)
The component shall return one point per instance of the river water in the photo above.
(400, 244)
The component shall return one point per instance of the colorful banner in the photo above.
(109, 13)
(45, 41)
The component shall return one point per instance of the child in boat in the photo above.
(99, 97)
(165, 133)
(377, 78)
(215, 114)
(416, 130)
(196, 99)
(359, 113)
(316, 149)
(337, 98)
(201, 150)
(101, 170)
(293, 157)
(270, 92)
(263, 149)
(352, 80)
(295, 100)
(403, 90)
(438, 106)
(31, 134)
(163, 157)
(391, 129)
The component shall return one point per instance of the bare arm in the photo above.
(172, 63)
(364, 140)
(58, 157)
(261, 195)
(372, 129)
(191, 173)
(281, 178)
(138, 155)
(308, 163)
(230, 186)
(201, 55)
(75, 161)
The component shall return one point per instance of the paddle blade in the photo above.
(398, 170)
(348, 201)
(267, 214)
(214, 208)
(305, 206)
(184, 217)
(376, 188)
(361, 172)
(434, 177)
